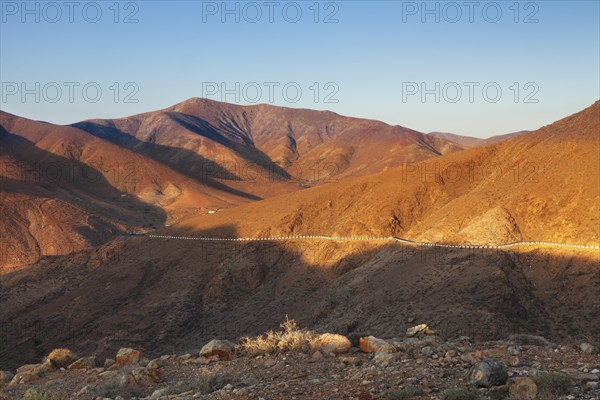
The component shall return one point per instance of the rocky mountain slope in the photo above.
(106, 177)
(539, 186)
(65, 188)
(311, 146)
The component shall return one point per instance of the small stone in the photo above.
(588, 348)
(592, 385)
(159, 393)
(317, 355)
(427, 351)
(523, 389)
(451, 354)
(371, 344)
(417, 330)
(514, 361)
(488, 373)
(108, 362)
(350, 361)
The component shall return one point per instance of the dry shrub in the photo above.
(61, 358)
(553, 385)
(213, 382)
(403, 394)
(289, 339)
(34, 394)
(114, 388)
(459, 394)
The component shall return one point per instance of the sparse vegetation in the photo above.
(214, 382)
(115, 388)
(552, 385)
(289, 339)
(459, 394)
(403, 394)
(34, 394)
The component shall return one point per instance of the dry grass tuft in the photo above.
(459, 394)
(34, 394)
(61, 358)
(553, 385)
(289, 339)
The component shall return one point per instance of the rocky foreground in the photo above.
(298, 364)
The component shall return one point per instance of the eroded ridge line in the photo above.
(374, 239)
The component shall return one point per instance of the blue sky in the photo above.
(366, 59)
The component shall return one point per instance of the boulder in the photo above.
(221, 349)
(84, 363)
(588, 348)
(427, 351)
(371, 344)
(488, 373)
(332, 343)
(31, 372)
(523, 389)
(127, 356)
(61, 358)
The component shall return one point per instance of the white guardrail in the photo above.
(374, 239)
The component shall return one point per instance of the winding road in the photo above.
(379, 239)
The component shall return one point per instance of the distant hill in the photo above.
(306, 145)
(469, 141)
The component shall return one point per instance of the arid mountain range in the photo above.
(72, 276)
(66, 188)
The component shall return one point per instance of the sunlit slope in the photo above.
(539, 186)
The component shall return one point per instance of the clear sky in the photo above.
(371, 59)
